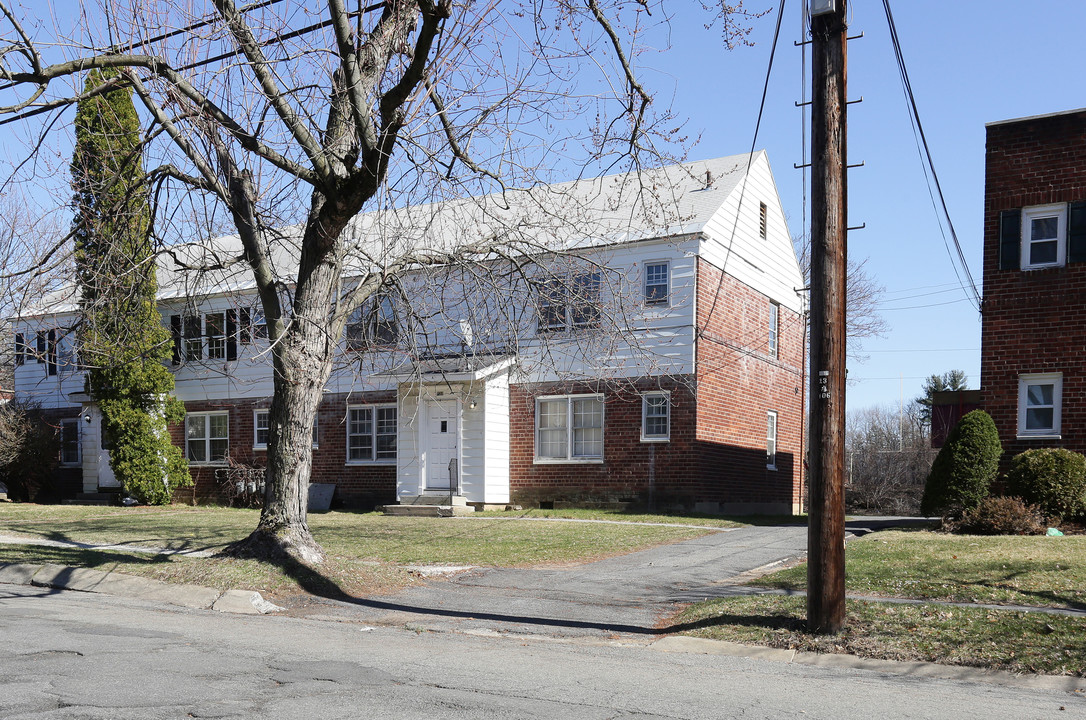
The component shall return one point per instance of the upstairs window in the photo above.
(657, 283)
(1042, 236)
(1044, 229)
(253, 325)
(774, 329)
(569, 303)
(212, 336)
(373, 324)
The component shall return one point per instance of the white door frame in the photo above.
(433, 406)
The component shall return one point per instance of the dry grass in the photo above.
(1000, 639)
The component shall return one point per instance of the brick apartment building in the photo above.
(1033, 337)
(674, 377)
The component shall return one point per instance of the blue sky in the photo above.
(969, 64)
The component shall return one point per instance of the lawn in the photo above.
(1031, 571)
(367, 552)
(1005, 640)
(1020, 570)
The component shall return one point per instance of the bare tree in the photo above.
(273, 113)
(889, 457)
(862, 296)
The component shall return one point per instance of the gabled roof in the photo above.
(650, 203)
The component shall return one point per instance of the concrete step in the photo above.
(434, 498)
(426, 510)
(98, 498)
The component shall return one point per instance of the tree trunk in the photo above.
(302, 361)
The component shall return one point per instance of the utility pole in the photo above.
(829, 225)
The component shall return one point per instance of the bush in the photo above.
(29, 448)
(1054, 479)
(1001, 516)
(965, 466)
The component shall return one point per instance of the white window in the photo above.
(69, 442)
(771, 440)
(657, 283)
(371, 433)
(209, 335)
(569, 428)
(571, 303)
(373, 324)
(655, 417)
(1044, 234)
(207, 437)
(774, 329)
(262, 429)
(253, 325)
(1039, 399)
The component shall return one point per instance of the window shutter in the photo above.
(1010, 239)
(246, 324)
(39, 342)
(175, 331)
(20, 348)
(1076, 232)
(231, 334)
(51, 354)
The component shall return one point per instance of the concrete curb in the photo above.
(705, 646)
(247, 602)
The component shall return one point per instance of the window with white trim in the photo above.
(771, 440)
(569, 303)
(1040, 398)
(774, 329)
(374, 324)
(657, 283)
(211, 335)
(569, 428)
(69, 442)
(371, 433)
(262, 429)
(1044, 232)
(207, 437)
(655, 417)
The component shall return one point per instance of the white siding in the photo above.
(732, 243)
(496, 405)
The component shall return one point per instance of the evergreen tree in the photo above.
(122, 339)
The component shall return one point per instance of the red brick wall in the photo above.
(1033, 321)
(361, 485)
(738, 383)
(663, 474)
(716, 457)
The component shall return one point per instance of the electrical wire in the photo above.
(929, 169)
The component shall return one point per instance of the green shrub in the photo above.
(29, 449)
(1054, 479)
(965, 466)
(1001, 516)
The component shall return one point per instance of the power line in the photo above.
(929, 167)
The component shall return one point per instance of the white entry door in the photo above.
(443, 444)
(106, 478)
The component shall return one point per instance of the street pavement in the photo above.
(66, 655)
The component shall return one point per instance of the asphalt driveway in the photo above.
(627, 595)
